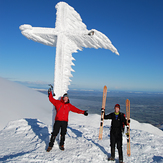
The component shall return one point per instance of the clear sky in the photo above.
(135, 28)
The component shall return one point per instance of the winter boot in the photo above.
(120, 161)
(61, 147)
(111, 159)
(49, 149)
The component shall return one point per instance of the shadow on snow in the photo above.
(157, 159)
(41, 132)
(80, 134)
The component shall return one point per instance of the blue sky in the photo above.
(135, 28)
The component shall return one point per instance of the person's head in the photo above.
(65, 98)
(117, 108)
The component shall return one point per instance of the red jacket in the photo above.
(62, 109)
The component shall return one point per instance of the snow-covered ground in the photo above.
(26, 116)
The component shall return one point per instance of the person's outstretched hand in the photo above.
(86, 113)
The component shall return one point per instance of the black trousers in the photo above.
(116, 138)
(56, 127)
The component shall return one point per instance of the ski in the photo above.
(102, 112)
(128, 126)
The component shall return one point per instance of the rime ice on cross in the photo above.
(69, 35)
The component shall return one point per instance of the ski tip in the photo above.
(105, 87)
(127, 100)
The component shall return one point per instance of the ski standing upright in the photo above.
(128, 126)
(102, 111)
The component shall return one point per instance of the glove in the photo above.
(49, 90)
(85, 113)
(128, 122)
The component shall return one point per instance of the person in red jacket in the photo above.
(63, 107)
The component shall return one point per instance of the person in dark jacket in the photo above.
(117, 127)
(63, 107)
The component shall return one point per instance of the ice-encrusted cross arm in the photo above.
(69, 35)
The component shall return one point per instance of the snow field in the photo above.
(26, 140)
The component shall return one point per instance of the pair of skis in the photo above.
(128, 117)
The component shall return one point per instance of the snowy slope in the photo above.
(18, 101)
(25, 139)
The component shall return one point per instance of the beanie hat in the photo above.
(65, 95)
(117, 105)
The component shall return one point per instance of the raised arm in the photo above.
(51, 99)
(108, 116)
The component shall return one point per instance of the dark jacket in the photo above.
(116, 124)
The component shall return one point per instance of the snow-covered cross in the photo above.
(69, 35)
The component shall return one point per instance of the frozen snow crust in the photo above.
(25, 138)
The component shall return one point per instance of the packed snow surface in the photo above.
(26, 133)
(69, 35)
